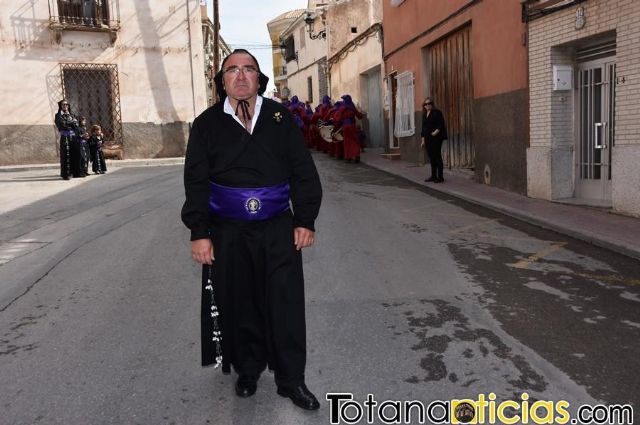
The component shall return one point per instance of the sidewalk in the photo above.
(600, 227)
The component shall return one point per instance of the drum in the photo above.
(338, 135)
(325, 132)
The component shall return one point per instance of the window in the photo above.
(290, 50)
(309, 89)
(405, 120)
(92, 13)
(93, 92)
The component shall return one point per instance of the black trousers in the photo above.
(434, 150)
(259, 287)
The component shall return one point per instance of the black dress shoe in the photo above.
(301, 396)
(439, 180)
(246, 386)
(430, 179)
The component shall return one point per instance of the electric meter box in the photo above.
(562, 77)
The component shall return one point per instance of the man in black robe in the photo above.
(246, 161)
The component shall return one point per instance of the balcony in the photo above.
(84, 15)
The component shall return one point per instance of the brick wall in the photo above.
(552, 41)
(546, 37)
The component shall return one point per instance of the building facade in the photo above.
(275, 27)
(354, 43)
(138, 70)
(584, 62)
(305, 55)
(471, 57)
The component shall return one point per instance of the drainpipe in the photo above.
(216, 37)
(193, 87)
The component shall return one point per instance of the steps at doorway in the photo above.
(390, 156)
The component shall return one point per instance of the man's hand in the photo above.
(302, 237)
(422, 143)
(202, 251)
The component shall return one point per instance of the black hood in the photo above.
(262, 79)
(60, 105)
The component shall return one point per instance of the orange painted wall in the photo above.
(499, 59)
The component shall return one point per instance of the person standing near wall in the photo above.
(434, 131)
(67, 125)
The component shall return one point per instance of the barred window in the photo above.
(405, 124)
(309, 89)
(93, 92)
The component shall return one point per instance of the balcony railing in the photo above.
(84, 15)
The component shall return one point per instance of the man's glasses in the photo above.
(246, 70)
(427, 103)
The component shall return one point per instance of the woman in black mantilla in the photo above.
(67, 125)
(434, 131)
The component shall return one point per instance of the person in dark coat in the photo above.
(434, 131)
(246, 161)
(80, 150)
(98, 164)
(67, 125)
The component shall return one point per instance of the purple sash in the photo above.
(243, 203)
(67, 133)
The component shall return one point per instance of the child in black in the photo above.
(98, 164)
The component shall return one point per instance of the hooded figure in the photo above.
(348, 115)
(242, 108)
(218, 80)
(67, 126)
(252, 195)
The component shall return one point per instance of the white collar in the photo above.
(229, 110)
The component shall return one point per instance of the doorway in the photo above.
(595, 102)
(374, 109)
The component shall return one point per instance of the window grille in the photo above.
(405, 119)
(309, 89)
(93, 92)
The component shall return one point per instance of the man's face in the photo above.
(240, 76)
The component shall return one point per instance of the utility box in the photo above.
(562, 77)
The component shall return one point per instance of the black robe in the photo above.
(257, 273)
(98, 164)
(67, 125)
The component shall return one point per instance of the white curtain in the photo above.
(405, 120)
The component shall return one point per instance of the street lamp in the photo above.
(309, 19)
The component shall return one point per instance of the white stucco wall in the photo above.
(310, 52)
(161, 77)
(346, 73)
(347, 67)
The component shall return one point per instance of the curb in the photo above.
(111, 163)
